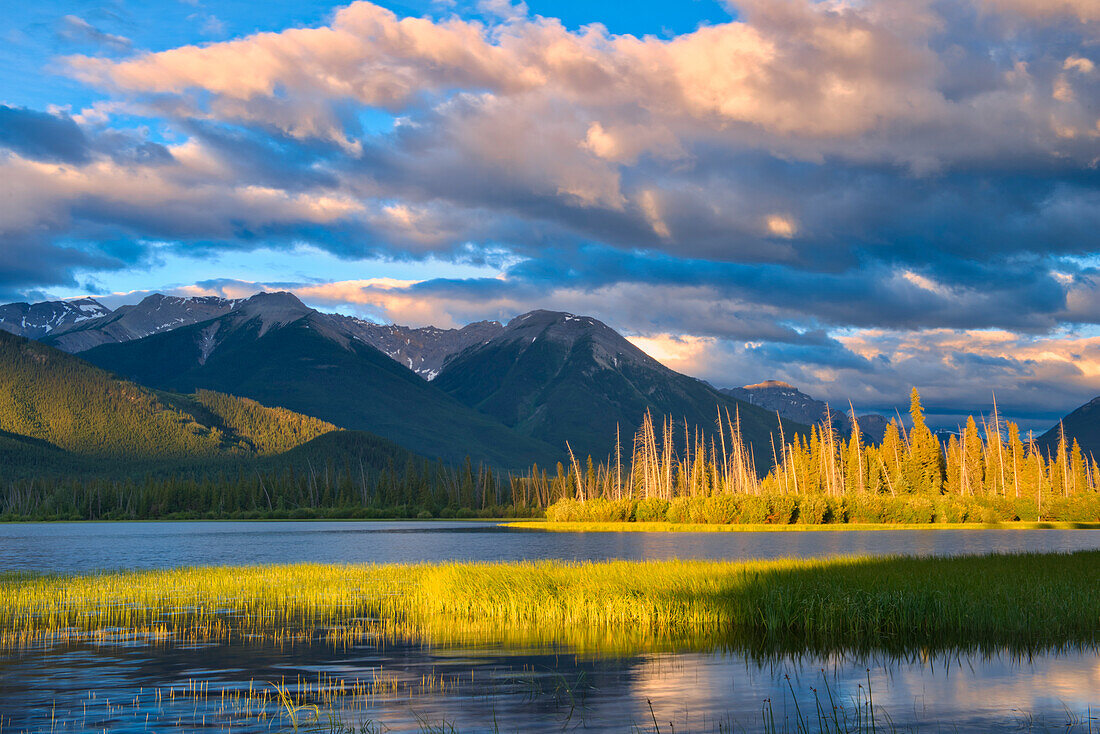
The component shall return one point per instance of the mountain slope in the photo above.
(155, 314)
(559, 377)
(423, 350)
(1082, 424)
(795, 405)
(37, 320)
(274, 349)
(50, 401)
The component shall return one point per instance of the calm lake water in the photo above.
(72, 547)
(131, 686)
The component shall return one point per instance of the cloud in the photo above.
(754, 190)
(76, 29)
(42, 135)
(1084, 11)
(807, 78)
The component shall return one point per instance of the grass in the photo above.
(1022, 601)
(698, 527)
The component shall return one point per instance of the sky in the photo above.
(854, 196)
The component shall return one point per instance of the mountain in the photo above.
(423, 350)
(793, 404)
(274, 349)
(52, 401)
(155, 314)
(1082, 424)
(38, 320)
(559, 377)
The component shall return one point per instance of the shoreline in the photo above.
(672, 527)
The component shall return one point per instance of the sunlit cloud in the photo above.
(854, 197)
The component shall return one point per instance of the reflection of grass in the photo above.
(617, 527)
(890, 603)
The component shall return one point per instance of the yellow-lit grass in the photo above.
(892, 603)
(695, 527)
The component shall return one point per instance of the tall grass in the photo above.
(894, 603)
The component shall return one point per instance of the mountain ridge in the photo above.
(155, 313)
(38, 320)
(564, 378)
(275, 349)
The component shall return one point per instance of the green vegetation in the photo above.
(780, 510)
(307, 367)
(1021, 601)
(343, 474)
(268, 430)
(62, 401)
(912, 478)
(50, 399)
(76, 442)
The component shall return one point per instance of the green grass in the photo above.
(1025, 601)
(688, 527)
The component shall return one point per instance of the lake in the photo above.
(75, 547)
(390, 684)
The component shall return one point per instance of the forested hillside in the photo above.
(53, 404)
(77, 442)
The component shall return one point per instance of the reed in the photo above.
(1024, 600)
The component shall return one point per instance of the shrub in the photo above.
(653, 509)
(782, 509)
(812, 509)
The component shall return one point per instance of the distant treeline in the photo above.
(330, 489)
(988, 475)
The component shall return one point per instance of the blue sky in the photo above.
(855, 197)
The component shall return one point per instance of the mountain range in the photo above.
(273, 348)
(508, 395)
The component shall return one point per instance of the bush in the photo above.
(565, 510)
(783, 509)
(951, 509)
(653, 509)
(680, 510)
(812, 509)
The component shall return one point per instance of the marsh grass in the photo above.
(900, 603)
(702, 527)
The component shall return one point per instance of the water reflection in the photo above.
(71, 547)
(488, 688)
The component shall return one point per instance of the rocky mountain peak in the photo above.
(38, 320)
